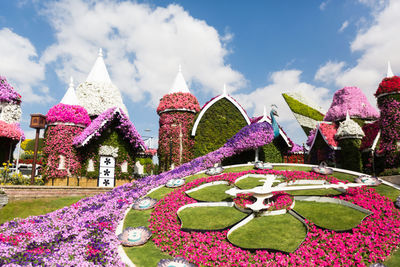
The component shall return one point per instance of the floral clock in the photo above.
(217, 245)
(134, 236)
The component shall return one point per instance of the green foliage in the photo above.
(389, 172)
(302, 109)
(350, 154)
(219, 123)
(108, 138)
(30, 144)
(273, 152)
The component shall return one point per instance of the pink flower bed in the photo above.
(12, 131)
(68, 114)
(329, 131)
(371, 241)
(352, 100)
(178, 101)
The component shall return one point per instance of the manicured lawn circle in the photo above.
(212, 247)
(212, 193)
(280, 232)
(321, 214)
(210, 218)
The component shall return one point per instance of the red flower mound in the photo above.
(328, 131)
(389, 85)
(178, 101)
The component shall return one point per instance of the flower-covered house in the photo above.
(90, 128)
(10, 115)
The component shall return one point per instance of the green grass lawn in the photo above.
(329, 215)
(210, 218)
(32, 207)
(249, 182)
(388, 191)
(147, 254)
(280, 232)
(393, 260)
(214, 193)
(314, 192)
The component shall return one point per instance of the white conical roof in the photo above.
(349, 129)
(389, 71)
(99, 71)
(70, 96)
(179, 85)
(98, 93)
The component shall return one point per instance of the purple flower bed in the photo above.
(85, 232)
(68, 114)
(7, 93)
(101, 122)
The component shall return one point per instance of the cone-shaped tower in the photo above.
(177, 111)
(98, 93)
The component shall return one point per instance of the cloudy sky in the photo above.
(259, 49)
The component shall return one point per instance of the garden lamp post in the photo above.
(38, 121)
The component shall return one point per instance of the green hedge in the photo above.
(109, 138)
(350, 154)
(30, 146)
(273, 152)
(219, 123)
(302, 109)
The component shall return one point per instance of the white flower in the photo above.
(10, 113)
(97, 97)
(108, 151)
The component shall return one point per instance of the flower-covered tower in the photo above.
(349, 135)
(10, 115)
(65, 121)
(388, 98)
(97, 94)
(177, 111)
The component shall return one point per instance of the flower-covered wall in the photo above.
(65, 122)
(177, 112)
(219, 123)
(388, 96)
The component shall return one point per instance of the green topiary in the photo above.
(219, 123)
(272, 152)
(350, 154)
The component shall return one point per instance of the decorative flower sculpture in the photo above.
(259, 165)
(214, 170)
(144, 203)
(175, 183)
(368, 180)
(176, 262)
(134, 236)
(322, 169)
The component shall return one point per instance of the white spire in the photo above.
(70, 96)
(389, 71)
(224, 91)
(265, 113)
(179, 85)
(347, 116)
(99, 71)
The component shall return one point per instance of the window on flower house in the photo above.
(61, 162)
(90, 167)
(124, 166)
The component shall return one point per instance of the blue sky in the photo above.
(258, 48)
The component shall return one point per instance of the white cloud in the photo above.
(282, 82)
(329, 72)
(377, 45)
(19, 63)
(323, 5)
(143, 46)
(344, 26)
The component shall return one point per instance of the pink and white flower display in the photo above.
(352, 100)
(11, 131)
(68, 114)
(7, 92)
